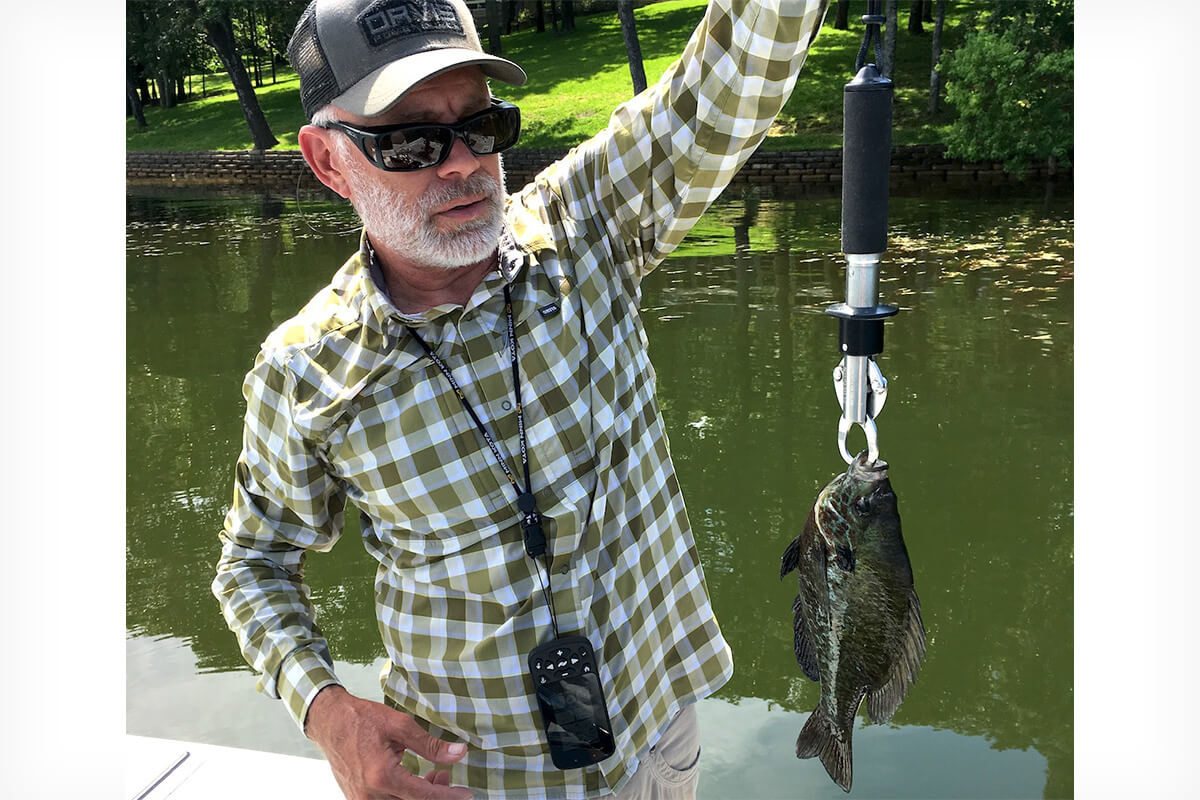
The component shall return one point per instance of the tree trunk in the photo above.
(134, 102)
(254, 47)
(539, 17)
(935, 78)
(143, 88)
(181, 93)
(166, 91)
(889, 38)
(568, 15)
(554, 15)
(632, 47)
(220, 36)
(511, 9)
(492, 9)
(914, 18)
(927, 16)
(842, 20)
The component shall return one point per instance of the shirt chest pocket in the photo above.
(417, 464)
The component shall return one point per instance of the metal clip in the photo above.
(862, 408)
(876, 388)
(869, 429)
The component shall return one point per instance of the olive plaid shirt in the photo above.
(342, 404)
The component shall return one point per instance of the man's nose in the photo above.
(461, 160)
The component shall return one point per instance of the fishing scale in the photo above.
(866, 158)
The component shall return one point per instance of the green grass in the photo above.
(576, 79)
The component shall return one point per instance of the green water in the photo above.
(977, 429)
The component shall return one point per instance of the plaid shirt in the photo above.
(343, 404)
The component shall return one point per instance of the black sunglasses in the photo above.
(403, 148)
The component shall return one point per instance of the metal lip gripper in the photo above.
(866, 158)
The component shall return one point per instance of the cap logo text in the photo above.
(393, 19)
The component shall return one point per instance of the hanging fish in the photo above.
(857, 619)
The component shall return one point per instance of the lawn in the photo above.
(568, 99)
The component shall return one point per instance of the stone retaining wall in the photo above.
(916, 164)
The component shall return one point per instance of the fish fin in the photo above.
(883, 701)
(845, 557)
(791, 558)
(806, 655)
(820, 738)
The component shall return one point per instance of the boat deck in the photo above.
(156, 769)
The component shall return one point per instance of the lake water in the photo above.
(977, 429)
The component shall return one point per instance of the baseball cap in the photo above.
(363, 55)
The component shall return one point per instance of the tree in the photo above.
(914, 18)
(633, 48)
(841, 20)
(134, 102)
(935, 78)
(219, 28)
(492, 8)
(889, 38)
(161, 43)
(568, 15)
(1011, 84)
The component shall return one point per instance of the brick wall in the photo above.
(255, 169)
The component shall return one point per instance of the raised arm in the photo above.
(667, 154)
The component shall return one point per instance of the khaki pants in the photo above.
(671, 770)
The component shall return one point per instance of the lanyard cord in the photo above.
(531, 520)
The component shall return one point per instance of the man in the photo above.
(475, 381)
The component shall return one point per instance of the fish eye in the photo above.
(862, 505)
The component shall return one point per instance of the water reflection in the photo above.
(977, 428)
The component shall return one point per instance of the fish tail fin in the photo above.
(819, 737)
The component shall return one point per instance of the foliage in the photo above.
(162, 40)
(1011, 83)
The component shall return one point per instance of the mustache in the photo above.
(440, 195)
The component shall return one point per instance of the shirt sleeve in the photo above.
(667, 154)
(285, 503)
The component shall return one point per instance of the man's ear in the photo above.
(317, 149)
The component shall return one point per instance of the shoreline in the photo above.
(911, 165)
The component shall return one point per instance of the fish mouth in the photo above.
(863, 469)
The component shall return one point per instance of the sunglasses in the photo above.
(403, 148)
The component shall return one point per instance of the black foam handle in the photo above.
(866, 158)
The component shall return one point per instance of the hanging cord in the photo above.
(874, 20)
(313, 228)
(535, 541)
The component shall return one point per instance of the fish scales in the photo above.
(856, 618)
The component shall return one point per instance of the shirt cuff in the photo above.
(303, 673)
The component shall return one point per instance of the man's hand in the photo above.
(364, 742)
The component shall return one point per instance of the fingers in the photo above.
(407, 786)
(440, 777)
(413, 737)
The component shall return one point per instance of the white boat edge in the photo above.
(156, 769)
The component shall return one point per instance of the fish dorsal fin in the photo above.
(806, 654)
(791, 557)
(883, 701)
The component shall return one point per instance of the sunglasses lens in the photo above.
(494, 131)
(414, 148)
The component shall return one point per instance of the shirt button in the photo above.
(506, 405)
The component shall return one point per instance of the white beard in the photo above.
(405, 226)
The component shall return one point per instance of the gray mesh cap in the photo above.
(363, 55)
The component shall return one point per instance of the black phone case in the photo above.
(566, 682)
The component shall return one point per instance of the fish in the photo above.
(856, 619)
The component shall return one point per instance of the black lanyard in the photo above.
(531, 520)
